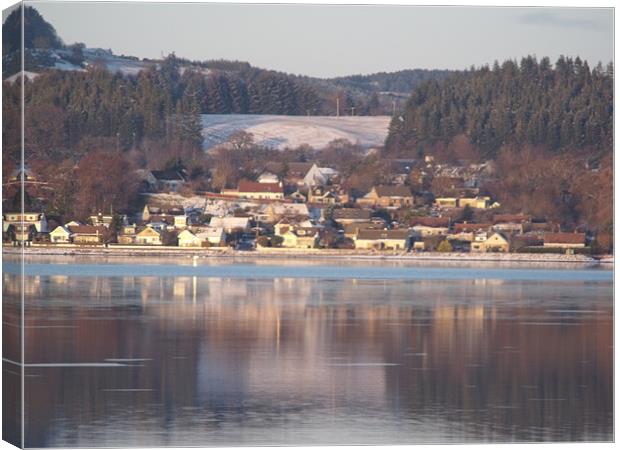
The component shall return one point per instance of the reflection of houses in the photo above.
(382, 239)
(387, 197)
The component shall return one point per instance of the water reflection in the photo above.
(214, 361)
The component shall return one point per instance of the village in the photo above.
(302, 206)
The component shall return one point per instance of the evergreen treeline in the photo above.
(569, 106)
(159, 103)
(400, 81)
(37, 32)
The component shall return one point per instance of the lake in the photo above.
(207, 352)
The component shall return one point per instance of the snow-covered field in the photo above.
(291, 131)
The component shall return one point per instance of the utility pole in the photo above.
(337, 106)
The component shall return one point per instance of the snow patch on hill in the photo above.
(280, 132)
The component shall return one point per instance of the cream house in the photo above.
(496, 243)
(60, 235)
(382, 239)
(300, 237)
(189, 239)
(148, 236)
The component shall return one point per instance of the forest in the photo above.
(563, 108)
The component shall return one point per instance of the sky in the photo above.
(335, 40)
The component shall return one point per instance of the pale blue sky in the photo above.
(332, 40)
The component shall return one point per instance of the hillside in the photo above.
(228, 86)
(564, 107)
(292, 131)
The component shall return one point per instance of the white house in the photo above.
(215, 236)
(60, 235)
(230, 223)
(148, 236)
(188, 239)
(319, 176)
(268, 177)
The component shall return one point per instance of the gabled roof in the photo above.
(167, 175)
(229, 222)
(352, 228)
(351, 214)
(295, 169)
(392, 191)
(511, 218)
(370, 234)
(256, 187)
(206, 233)
(163, 218)
(564, 238)
(60, 229)
(148, 231)
(469, 227)
(435, 222)
(87, 229)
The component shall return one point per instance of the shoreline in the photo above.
(312, 254)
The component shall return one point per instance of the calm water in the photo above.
(183, 352)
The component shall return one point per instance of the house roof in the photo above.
(352, 213)
(255, 186)
(511, 218)
(148, 230)
(370, 234)
(297, 209)
(205, 233)
(164, 218)
(229, 222)
(87, 229)
(435, 222)
(469, 227)
(392, 191)
(564, 238)
(60, 229)
(167, 175)
(295, 169)
(352, 228)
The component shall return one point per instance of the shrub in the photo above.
(444, 246)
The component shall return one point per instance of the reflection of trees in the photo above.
(230, 348)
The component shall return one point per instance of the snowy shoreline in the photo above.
(310, 254)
